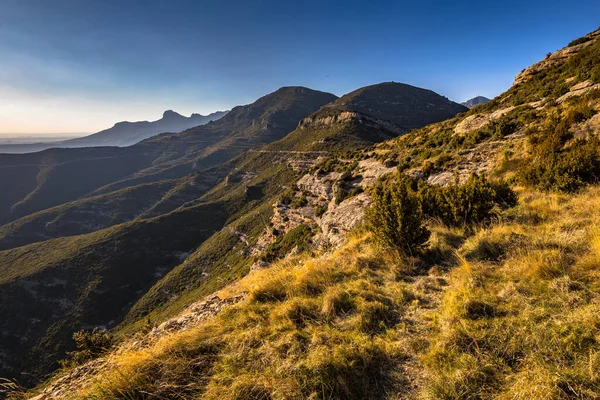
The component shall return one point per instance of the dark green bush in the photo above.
(400, 206)
(319, 211)
(286, 197)
(578, 41)
(298, 237)
(474, 201)
(579, 113)
(90, 345)
(395, 217)
(299, 201)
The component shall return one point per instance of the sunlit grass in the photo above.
(519, 318)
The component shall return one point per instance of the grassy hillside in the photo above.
(53, 288)
(503, 311)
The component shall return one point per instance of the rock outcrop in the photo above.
(557, 57)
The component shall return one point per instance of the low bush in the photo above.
(299, 201)
(90, 345)
(298, 237)
(559, 168)
(395, 216)
(319, 211)
(459, 205)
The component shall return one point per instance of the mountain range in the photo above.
(238, 259)
(122, 133)
(157, 202)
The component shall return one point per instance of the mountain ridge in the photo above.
(475, 101)
(121, 134)
(229, 172)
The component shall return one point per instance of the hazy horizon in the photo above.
(82, 66)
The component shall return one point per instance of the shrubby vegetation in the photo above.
(401, 205)
(90, 344)
(298, 237)
(396, 217)
(476, 201)
(558, 162)
(555, 167)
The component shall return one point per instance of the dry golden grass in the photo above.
(526, 325)
(510, 312)
(311, 328)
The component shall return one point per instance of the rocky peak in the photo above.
(170, 114)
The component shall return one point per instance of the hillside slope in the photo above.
(487, 316)
(404, 105)
(505, 308)
(37, 181)
(213, 253)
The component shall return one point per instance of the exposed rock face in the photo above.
(348, 116)
(556, 57)
(325, 191)
(340, 219)
(478, 121)
(578, 90)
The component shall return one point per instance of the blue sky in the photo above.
(81, 65)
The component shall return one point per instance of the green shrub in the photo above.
(579, 113)
(319, 211)
(395, 217)
(286, 197)
(90, 345)
(557, 163)
(468, 203)
(401, 204)
(297, 237)
(554, 167)
(355, 191)
(299, 201)
(578, 41)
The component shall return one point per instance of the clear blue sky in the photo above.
(81, 65)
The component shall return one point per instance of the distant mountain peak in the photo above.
(475, 101)
(171, 114)
(404, 105)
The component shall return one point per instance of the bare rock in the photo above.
(578, 90)
(319, 186)
(478, 121)
(338, 221)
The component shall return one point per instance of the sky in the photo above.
(74, 66)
